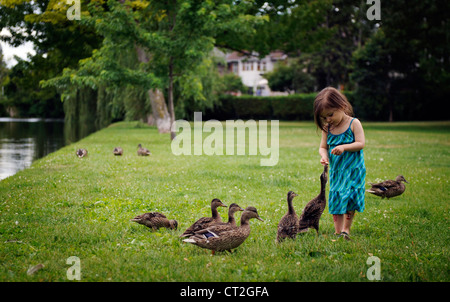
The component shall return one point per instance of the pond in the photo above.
(24, 140)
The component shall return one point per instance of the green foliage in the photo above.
(291, 107)
(64, 206)
(403, 70)
(291, 78)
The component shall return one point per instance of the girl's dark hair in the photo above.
(330, 98)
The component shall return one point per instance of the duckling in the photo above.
(155, 220)
(224, 237)
(389, 188)
(288, 225)
(82, 153)
(118, 151)
(205, 222)
(143, 151)
(314, 208)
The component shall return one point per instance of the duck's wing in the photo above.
(288, 224)
(200, 224)
(310, 212)
(385, 184)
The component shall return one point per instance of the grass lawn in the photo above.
(64, 206)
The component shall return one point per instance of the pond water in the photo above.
(24, 140)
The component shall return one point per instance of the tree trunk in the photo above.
(171, 107)
(160, 116)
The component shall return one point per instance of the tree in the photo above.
(172, 36)
(405, 67)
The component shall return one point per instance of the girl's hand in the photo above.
(324, 161)
(338, 150)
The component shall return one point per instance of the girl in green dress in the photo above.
(341, 147)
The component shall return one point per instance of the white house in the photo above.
(251, 68)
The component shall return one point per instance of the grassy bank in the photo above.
(64, 206)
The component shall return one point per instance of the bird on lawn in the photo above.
(155, 220)
(205, 222)
(118, 151)
(224, 237)
(288, 225)
(233, 208)
(389, 188)
(82, 153)
(313, 210)
(143, 151)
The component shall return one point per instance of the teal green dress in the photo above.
(347, 175)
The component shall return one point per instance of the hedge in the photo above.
(291, 107)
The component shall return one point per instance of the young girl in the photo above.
(341, 147)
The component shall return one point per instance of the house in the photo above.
(250, 68)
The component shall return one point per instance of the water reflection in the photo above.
(24, 140)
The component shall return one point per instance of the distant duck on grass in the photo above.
(288, 225)
(205, 222)
(224, 237)
(143, 151)
(82, 153)
(389, 188)
(118, 151)
(314, 208)
(155, 220)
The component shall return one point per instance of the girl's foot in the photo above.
(345, 235)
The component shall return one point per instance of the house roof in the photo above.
(237, 56)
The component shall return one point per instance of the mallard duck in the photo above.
(205, 222)
(118, 151)
(314, 208)
(225, 237)
(143, 151)
(82, 153)
(288, 225)
(155, 220)
(389, 188)
(233, 208)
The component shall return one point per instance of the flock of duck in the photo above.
(117, 151)
(214, 234)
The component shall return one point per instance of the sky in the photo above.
(9, 52)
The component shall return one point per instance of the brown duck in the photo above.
(143, 151)
(314, 208)
(288, 225)
(118, 151)
(82, 153)
(205, 222)
(224, 237)
(155, 220)
(233, 208)
(389, 188)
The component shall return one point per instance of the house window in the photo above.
(234, 67)
(264, 66)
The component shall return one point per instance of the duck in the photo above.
(288, 225)
(314, 208)
(155, 220)
(143, 151)
(205, 222)
(224, 237)
(82, 153)
(233, 208)
(389, 188)
(118, 151)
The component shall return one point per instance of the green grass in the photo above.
(63, 206)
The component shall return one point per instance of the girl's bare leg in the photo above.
(347, 221)
(338, 223)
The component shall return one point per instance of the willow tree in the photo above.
(171, 39)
